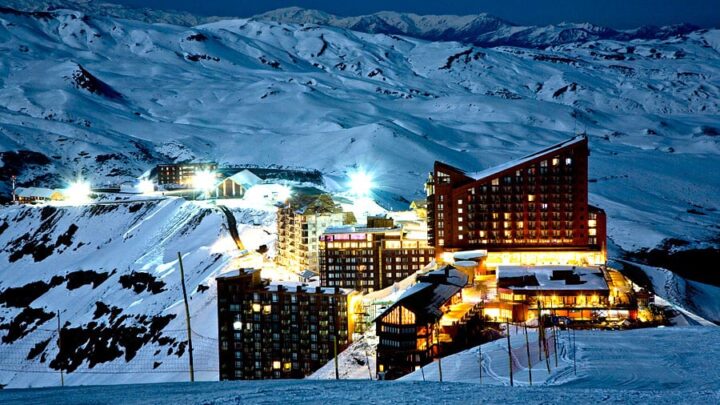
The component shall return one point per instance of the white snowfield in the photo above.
(651, 366)
(113, 97)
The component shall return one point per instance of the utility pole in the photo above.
(62, 377)
(337, 370)
(367, 360)
(574, 352)
(480, 361)
(14, 196)
(507, 332)
(555, 344)
(527, 346)
(187, 318)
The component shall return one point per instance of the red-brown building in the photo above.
(536, 203)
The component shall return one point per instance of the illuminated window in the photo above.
(568, 161)
(531, 197)
(256, 307)
(543, 206)
(556, 161)
(460, 228)
(460, 237)
(460, 219)
(460, 202)
(592, 223)
(460, 210)
(495, 182)
(267, 309)
(276, 365)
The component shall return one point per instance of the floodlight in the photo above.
(204, 180)
(146, 186)
(361, 183)
(78, 191)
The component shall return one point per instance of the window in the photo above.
(556, 161)
(531, 197)
(495, 182)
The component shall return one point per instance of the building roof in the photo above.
(427, 296)
(470, 255)
(246, 178)
(508, 165)
(551, 278)
(35, 192)
(359, 229)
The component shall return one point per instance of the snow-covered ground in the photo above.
(659, 366)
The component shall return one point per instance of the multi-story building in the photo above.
(430, 320)
(531, 210)
(299, 226)
(181, 174)
(371, 257)
(279, 330)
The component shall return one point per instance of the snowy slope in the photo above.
(112, 273)
(642, 359)
(659, 366)
(112, 98)
(481, 29)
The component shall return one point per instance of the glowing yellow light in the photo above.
(256, 307)
(276, 365)
(447, 257)
(78, 192)
(204, 180)
(361, 183)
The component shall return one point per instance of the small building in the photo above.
(429, 320)
(38, 194)
(371, 257)
(269, 330)
(236, 185)
(300, 223)
(181, 174)
(578, 293)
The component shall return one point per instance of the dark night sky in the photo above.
(612, 13)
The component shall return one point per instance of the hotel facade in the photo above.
(532, 210)
(269, 330)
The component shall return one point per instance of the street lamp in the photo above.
(78, 192)
(146, 186)
(204, 181)
(361, 183)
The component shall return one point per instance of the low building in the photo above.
(181, 174)
(420, 208)
(578, 293)
(269, 330)
(236, 185)
(299, 225)
(429, 320)
(38, 194)
(371, 257)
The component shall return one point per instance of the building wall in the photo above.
(284, 333)
(541, 203)
(181, 174)
(370, 261)
(298, 234)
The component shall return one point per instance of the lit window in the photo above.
(556, 161)
(460, 219)
(592, 223)
(506, 215)
(460, 228)
(460, 210)
(568, 161)
(276, 365)
(543, 206)
(460, 237)
(531, 197)
(495, 182)
(256, 307)
(460, 202)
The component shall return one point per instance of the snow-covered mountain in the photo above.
(481, 29)
(111, 98)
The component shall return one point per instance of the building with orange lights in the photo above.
(532, 210)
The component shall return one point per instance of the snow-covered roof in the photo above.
(35, 192)
(359, 229)
(432, 290)
(245, 177)
(470, 255)
(508, 165)
(552, 278)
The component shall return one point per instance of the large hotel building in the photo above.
(371, 257)
(270, 330)
(533, 210)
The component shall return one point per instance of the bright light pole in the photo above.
(146, 186)
(204, 181)
(361, 183)
(78, 192)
